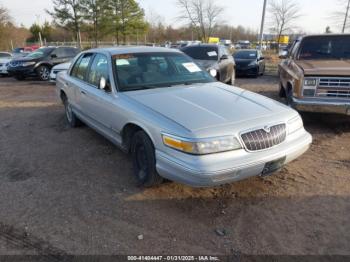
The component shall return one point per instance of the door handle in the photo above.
(83, 92)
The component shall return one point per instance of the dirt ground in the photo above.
(70, 191)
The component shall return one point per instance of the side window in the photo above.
(59, 52)
(80, 68)
(99, 69)
(70, 52)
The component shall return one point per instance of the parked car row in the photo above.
(40, 62)
(169, 109)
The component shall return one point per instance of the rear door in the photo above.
(78, 76)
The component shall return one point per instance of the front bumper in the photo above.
(22, 71)
(322, 106)
(218, 169)
(251, 70)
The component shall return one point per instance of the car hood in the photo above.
(64, 66)
(204, 106)
(325, 67)
(27, 59)
(206, 64)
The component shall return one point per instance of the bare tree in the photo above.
(201, 15)
(341, 18)
(4, 16)
(283, 14)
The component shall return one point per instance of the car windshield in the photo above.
(5, 55)
(245, 55)
(329, 47)
(41, 52)
(202, 52)
(155, 70)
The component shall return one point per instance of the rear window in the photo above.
(327, 47)
(202, 52)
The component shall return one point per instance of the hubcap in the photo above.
(44, 73)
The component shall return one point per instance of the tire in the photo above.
(71, 118)
(19, 78)
(43, 73)
(289, 97)
(144, 160)
(282, 92)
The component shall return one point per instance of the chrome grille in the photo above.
(262, 139)
(334, 82)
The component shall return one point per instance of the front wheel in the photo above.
(144, 160)
(43, 73)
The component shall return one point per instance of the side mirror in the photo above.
(262, 58)
(224, 57)
(283, 55)
(104, 85)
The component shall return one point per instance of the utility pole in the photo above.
(262, 24)
(346, 17)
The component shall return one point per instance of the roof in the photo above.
(133, 49)
(325, 35)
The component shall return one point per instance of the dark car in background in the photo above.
(249, 62)
(216, 59)
(40, 62)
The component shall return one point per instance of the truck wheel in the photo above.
(282, 92)
(43, 73)
(144, 160)
(289, 97)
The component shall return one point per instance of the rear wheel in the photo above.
(43, 73)
(144, 160)
(72, 119)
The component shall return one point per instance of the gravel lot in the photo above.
(69, 191)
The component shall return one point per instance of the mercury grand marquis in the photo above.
(176, 120)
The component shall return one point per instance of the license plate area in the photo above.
(273, 166)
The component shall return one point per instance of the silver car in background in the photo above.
(176, 120)
(58, 69)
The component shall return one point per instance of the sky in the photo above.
(315, 13)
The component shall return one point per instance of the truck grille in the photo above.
(262, 139)
(334, 82)
(333, 87)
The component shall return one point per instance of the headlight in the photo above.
(28, 64)
(202, 146)
(310, 82)
(213, 72)
(295, 124)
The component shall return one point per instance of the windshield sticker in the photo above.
(252, 55)
(123, 56)
(192, 67)
(122, 62)
(212, 53)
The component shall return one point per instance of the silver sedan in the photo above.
(176, 120)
